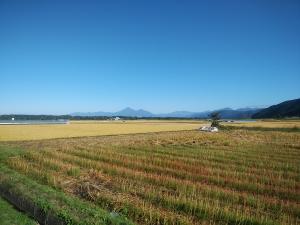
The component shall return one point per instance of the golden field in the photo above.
(91, 128)
(267, 124)
(98, 128)
(234, 177)
(238, 176)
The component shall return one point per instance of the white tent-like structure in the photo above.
(209, 129)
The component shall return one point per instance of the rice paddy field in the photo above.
(268, 124)
(236, 176)
(91, 128)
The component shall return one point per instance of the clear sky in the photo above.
(65, 56)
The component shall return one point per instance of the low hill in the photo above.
(289, 108)
(238, 113)
(228, 113)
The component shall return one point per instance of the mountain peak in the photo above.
(224, 109)
(133, 113)
(128, 108)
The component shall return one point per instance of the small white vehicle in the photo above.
(209, 129)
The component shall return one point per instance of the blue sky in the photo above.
(65, 56)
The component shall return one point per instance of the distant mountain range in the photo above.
(226, 113)
(289, 108)
(127, 112)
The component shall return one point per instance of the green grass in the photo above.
(11, 216)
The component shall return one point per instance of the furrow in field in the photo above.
(283, 193)
(189, 170)
(171, 183)
(286, 175)
(133, 206)
(288, 169)
(200, 209)
(231, 153)
(201, 206)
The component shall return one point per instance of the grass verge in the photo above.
(10, 216)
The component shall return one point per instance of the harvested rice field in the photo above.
(91, 128)
(267, 124)
(183, 177)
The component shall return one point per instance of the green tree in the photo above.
(215, 117)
